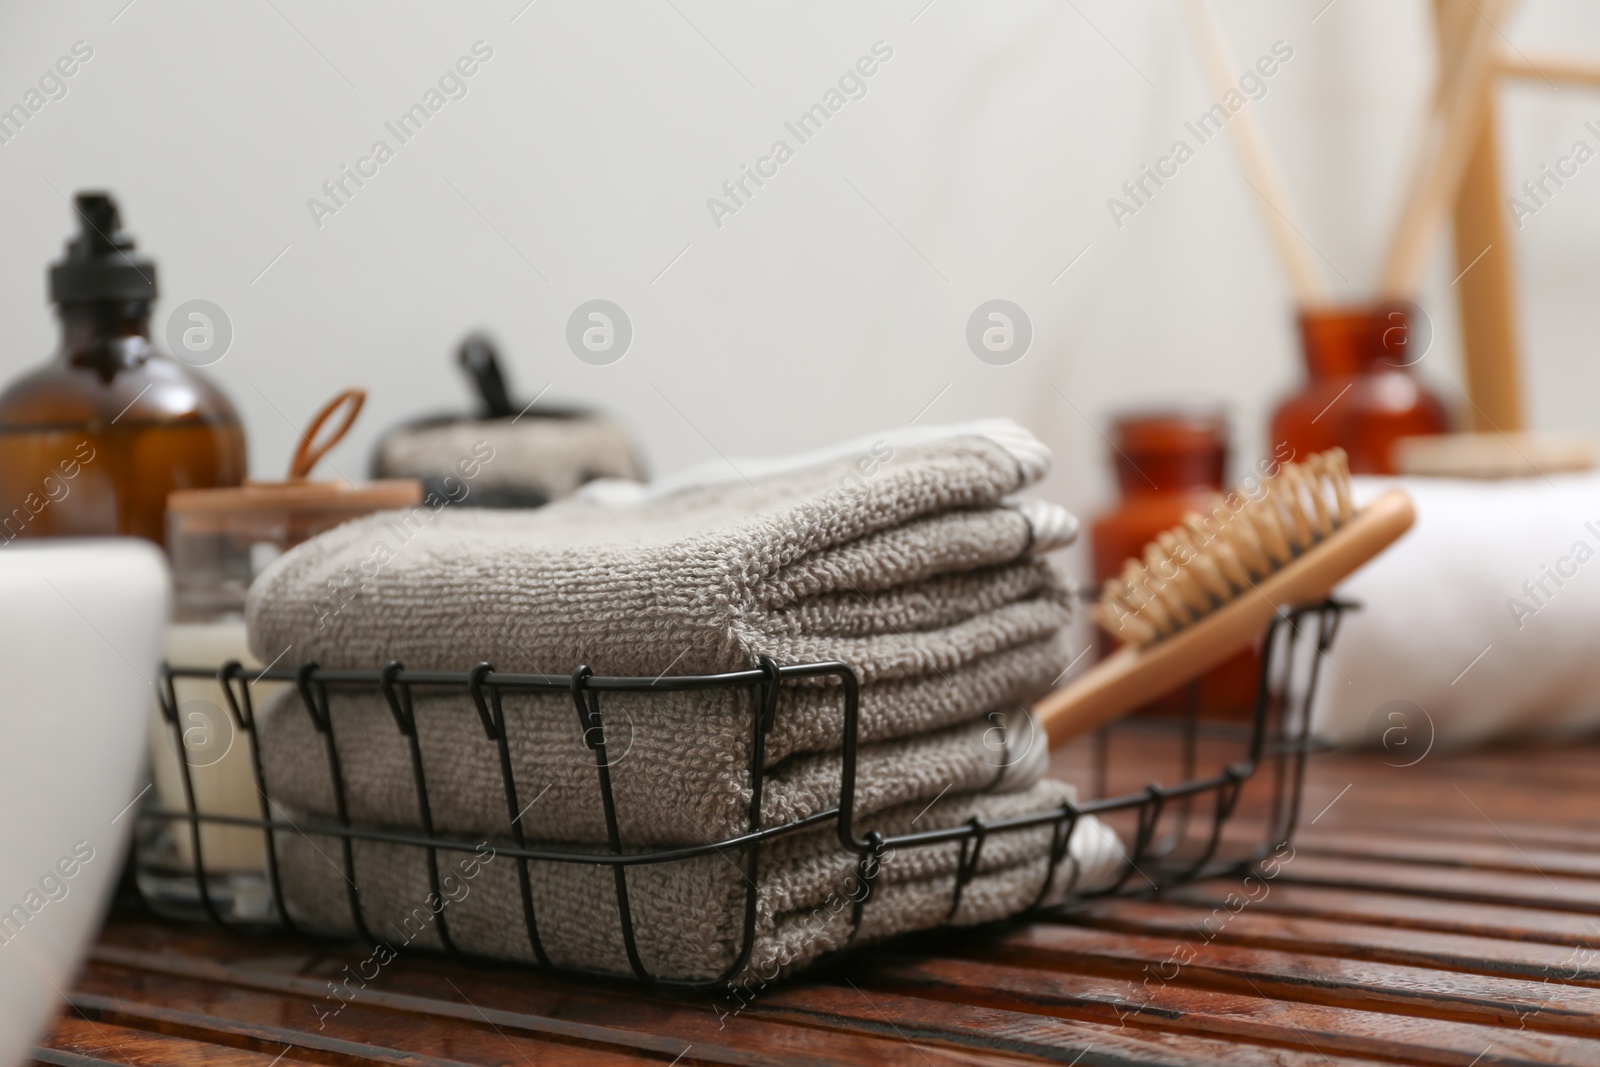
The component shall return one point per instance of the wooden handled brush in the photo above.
(1206, 589)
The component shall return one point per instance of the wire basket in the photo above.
(1176, 833)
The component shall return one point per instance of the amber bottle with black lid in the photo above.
(92, 442)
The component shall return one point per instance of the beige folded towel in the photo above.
(688, 915)
(699, 581)
(671, 785)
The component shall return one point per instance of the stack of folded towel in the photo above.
(901, 555)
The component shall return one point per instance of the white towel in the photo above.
(1483, 621)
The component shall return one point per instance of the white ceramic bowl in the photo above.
(81, 626)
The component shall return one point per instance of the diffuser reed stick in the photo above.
(1260, 165)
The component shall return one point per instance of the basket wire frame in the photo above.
(1295, 643)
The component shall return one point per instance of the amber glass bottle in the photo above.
(1360, 394)
(1170, 463)
(92, 442)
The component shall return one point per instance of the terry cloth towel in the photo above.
(904, 561)
(688, 915)
(531, 459)
(1478, 624)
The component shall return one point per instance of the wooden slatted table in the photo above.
(1441, 913)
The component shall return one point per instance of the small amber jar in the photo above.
(1360, 393)
(1170, 463)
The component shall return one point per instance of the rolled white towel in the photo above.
(1483, 621)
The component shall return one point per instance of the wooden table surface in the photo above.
(1441, 913)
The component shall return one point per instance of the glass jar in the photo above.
(1170, 463)
(219, 540)
(1360, 394)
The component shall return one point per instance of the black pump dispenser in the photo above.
(120, 421)
(99, 264)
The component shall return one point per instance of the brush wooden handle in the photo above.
(1133, 676)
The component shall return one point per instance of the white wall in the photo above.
(977, 166)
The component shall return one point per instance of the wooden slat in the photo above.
(1256, 1016)
(1555, 891)
(1027, 1029)
(1501, 853)
(370, 1029)
(1454, 952)
(203, 1027)
(1504, 922)
(1582, 844)
(79, 1041)
(1556, 1006)
(1470, 803)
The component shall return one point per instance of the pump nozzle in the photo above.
(98, 264)
(100, 226)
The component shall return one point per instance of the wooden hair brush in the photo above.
(1206, 589)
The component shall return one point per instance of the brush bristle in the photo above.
(1191, 570)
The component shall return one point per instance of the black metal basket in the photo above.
(1176, 832)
